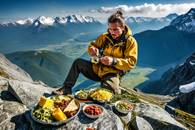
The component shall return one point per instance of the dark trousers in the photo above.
(111, 81)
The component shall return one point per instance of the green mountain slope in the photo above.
(49, 67)
(164, 46)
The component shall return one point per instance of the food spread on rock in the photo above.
(56, 108)
(61, 108)
(99, 94)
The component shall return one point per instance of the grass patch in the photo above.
(125, 96)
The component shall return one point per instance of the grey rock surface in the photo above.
(140, 123)
(158, 117)
(12, 71)
(9, 114)
(28, 93)
(18, 93)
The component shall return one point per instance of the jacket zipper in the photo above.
(112, 51)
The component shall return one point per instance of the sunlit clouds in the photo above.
(148, 10)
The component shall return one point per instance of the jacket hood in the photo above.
(127, 31)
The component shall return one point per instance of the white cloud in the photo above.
(149, 10)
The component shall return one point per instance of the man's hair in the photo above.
(117, 18)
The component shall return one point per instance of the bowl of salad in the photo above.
(82, 94)
(124, 106)
(93, 110)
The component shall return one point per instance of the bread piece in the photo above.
(72, 106)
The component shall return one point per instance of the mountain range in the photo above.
(166, 45)
(169, 82)
(37, 33)
(49, 21)
(185, 22)
(139, 24)
(157, 48)
(34, 33)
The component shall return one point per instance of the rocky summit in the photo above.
(18, 94)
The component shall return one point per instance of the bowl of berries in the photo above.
(93, 110)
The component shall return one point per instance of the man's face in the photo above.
(115, 29)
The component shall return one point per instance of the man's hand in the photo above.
(94, 51)
(106, 60)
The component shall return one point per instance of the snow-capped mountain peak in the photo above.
(168, 18)
(80, 19)
(61, 20)
(185, 22)
(43, 21)
(172, 16)
(138, 19)
(26, 21)
(191, 11)
(75, 19)
(48, 21)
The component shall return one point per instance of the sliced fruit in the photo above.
(58, 114)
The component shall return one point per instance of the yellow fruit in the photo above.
(58, 114)
(46, 103)
(42, 101)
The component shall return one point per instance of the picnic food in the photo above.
(43, 114)
(124, 106)
(59, 98)
(61, 104)
(54, 109)
(93, 110)
(58, 114)
(82, 94)
(90, 128)
(71, 107)
(101, 95)
(45, 103)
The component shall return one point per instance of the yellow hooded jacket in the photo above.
(125, 60)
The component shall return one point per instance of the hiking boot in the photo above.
(62, 91)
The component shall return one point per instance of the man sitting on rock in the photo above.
(113, 53)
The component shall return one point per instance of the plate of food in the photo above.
(124, 106)
(55, 110)
(82, 94)
(101, 95)
(93, 110)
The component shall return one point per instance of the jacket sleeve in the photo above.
(97, 43)
(130, 59)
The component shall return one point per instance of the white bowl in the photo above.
(124, 111)
(76, 95)
(93, 116)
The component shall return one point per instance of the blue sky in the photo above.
(17, 9)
